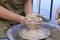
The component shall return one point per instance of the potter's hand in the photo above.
(58, 15)
(33, 20)
(58, 21)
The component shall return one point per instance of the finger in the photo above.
(39, 19)
(39, 15)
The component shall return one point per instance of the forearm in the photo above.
(28, 7)
(8, 15)
(57, 13)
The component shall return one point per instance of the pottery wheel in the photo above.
(35, 34)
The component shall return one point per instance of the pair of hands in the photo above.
(32, 21)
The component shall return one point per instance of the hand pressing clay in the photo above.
(33, 20)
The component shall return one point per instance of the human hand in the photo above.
(33, 20)
(58, 15)
(58, 21)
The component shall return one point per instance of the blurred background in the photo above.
(47, 8)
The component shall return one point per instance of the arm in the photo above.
(28, 6)
(11, 16)
(8, 15)
(57, 13)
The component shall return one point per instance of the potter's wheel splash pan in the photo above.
(13, 34)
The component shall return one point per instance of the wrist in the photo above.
(22, 19)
